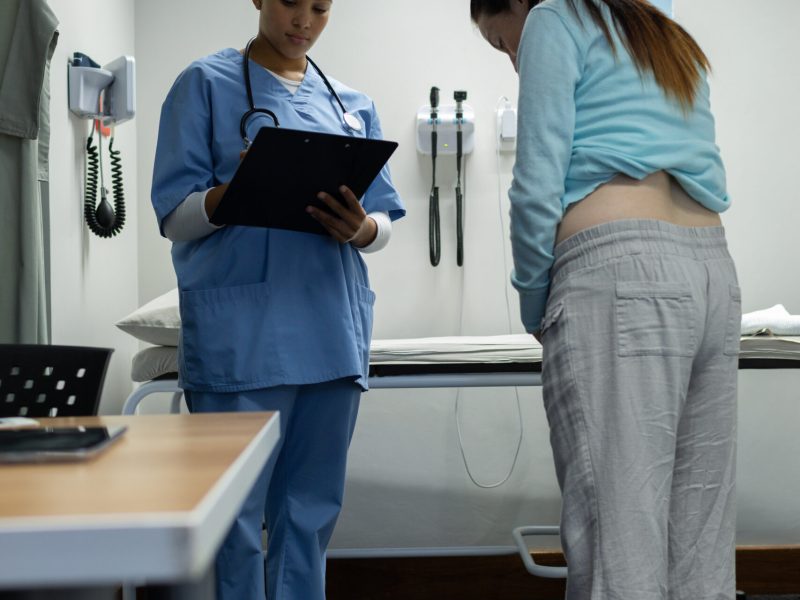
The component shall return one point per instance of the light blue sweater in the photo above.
(585, 117)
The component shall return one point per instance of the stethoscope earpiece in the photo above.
(349, 119)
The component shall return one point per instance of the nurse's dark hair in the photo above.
(656, 43)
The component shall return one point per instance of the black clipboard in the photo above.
(285, 169)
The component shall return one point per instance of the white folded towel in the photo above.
(459, 349)
(775, 321)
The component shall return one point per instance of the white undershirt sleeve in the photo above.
(384, 223)
(189, 220)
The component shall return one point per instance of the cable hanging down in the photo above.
(521, 433)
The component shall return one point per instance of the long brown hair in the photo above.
(656, 43)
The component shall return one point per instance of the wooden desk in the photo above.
(154, 507)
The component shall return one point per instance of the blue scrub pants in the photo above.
(299, 491)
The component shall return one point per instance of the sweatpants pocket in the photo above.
(551, 317)
(654, 319)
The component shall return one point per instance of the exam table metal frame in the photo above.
(390, 376)
(450, 375)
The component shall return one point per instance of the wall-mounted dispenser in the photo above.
(447, 128)
(107, 93)
(506, 126)
(107, 96)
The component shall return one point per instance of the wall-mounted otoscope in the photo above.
(459, 97)
(107, 95)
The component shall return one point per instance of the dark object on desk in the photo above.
(50, 381)
(285, 169)
(60, 444)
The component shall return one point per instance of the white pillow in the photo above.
(157, 322)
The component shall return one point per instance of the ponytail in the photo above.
(657, 45)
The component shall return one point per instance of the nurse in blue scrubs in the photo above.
(272, 319)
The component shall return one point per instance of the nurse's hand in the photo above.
(350, 223)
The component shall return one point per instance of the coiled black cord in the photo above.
(459, 207)
(92, 174)
(434, 228)
(116, 185)
(102, 220)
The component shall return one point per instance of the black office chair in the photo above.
(50, 381)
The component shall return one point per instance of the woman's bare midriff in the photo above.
(658, 196)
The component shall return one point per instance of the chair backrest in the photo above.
(50, 381)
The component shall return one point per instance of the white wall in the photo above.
(94, 281)
(755, 94)
(407, 485)
(169, 35)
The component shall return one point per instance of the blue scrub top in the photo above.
(262, 307)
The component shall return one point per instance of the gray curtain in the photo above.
(27, 40)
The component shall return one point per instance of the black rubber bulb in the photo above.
(104, 213)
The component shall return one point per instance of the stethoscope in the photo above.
(349, 119)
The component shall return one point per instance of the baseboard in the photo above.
(760, 570)
(768, 569)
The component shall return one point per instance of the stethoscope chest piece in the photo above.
(352, 122)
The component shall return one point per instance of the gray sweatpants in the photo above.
(641, 342)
